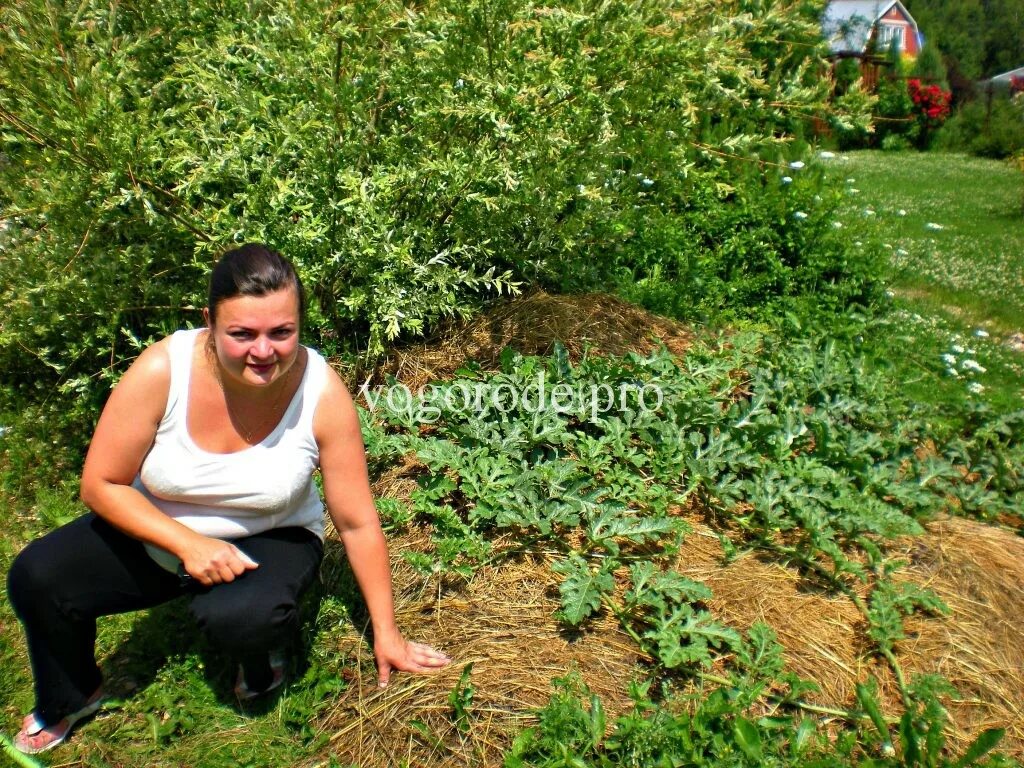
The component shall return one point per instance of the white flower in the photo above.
(853, 191)
(3, 431)
(949, 359)
(981, 333)
(890, 294)
(868, 212)
(931, 225)
(902, 252)
(647, 182)
(826, 155)
(581, 188)
(837, 225)
(851, 181)
(787, 179)
(972, 365)
(460, 83)
(800, 215)
(952, 372)
(858, 243)
(975, 388)
(901, 212)
(958, 349)
(796, 165)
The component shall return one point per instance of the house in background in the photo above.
(866, 30)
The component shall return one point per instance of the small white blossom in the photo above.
(953, 373)
(799, 215)
(975, 388)
(981, 333)
(901, 212)
(902, 252)
(949, 359)
(931, 225)
(581, 188)
(460, 83)
(869, 212)
(647, 182)
(787, 179)
(837, 225)
(853, 191)
(972, 365)
(796, 165)
(958, 349)
(826, 155)
(858, 243)
(890, 294)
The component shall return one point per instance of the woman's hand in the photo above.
(394, 652)
(212, 561)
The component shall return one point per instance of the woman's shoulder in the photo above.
(335, 408)
(153, 365)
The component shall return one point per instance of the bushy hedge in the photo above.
(413, 159)
(986, 127)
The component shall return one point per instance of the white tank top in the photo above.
(229, 495)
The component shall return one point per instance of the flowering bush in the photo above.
(930, 110)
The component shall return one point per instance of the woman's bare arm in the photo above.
(350, 505)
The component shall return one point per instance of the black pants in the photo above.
(59, 584)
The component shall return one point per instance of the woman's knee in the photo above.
(35, 577)
(246, 623)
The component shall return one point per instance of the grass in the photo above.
(971, 269)
(954, 228)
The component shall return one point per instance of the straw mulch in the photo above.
(503, 620)
(598, 322)
(976, 569)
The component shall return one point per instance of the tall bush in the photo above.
(414, 160)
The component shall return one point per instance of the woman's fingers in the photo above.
(428, 657)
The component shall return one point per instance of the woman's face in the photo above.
(256, 338)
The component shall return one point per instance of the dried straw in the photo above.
(531, 324)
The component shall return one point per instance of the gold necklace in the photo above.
(247, 433)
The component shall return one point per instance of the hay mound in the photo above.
(531, 324)
(503, 620)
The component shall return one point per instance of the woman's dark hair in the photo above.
(252, 269)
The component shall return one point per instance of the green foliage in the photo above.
(979, 38)
(760, 250)
(414, 162)
(460, 699)
(928, 66)
(986, 127)
(719, 731)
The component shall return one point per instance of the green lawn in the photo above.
(954, 226)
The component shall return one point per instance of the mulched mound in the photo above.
(503, 620)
